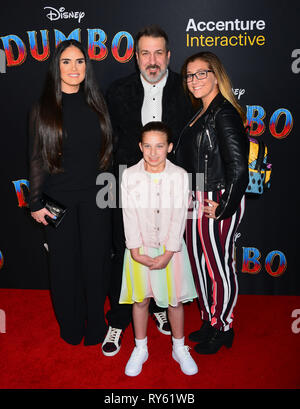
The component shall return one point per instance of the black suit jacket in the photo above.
(125, 99)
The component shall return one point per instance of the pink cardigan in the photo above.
(154, 213)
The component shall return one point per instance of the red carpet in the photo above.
(265, 352)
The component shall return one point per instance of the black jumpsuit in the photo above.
(79, 249)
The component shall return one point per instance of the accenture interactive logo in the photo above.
(230, 33)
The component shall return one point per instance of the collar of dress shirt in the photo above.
(160, 84)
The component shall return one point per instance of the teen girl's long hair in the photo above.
(49, 126)
(224, 82)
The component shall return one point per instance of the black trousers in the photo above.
(120, 315)
(79, 255)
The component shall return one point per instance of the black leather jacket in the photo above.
(216, 145)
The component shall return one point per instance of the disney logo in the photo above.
(62, 14)
(238, 92)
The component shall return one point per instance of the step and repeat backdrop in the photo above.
(259, 45)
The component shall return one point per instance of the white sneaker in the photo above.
(183, 357)
(136, 360)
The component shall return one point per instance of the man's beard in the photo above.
(153, 78)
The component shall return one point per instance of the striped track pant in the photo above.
(211, 250)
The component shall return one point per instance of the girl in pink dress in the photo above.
(156, 264)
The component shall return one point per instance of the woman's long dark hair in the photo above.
(49, 113)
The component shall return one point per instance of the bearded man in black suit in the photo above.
(155, 93)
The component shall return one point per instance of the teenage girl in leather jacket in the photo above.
(213, 148)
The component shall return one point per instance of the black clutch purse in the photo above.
(56, 208)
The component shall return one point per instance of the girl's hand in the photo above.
(162, 261)
(141, 258)
(39, 216)
(210, 210)
(146, 260)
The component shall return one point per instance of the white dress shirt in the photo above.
(152, 105)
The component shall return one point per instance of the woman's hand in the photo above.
(39, 216)
(162, 261)
(210, 210)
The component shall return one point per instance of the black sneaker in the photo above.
(162, 322)
(201, 334)
(215, 341)
(112, 342)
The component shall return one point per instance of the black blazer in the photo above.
(125, 99)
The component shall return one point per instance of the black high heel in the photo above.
(215, 341)
(201, 334)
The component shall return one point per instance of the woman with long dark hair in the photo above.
(214, 144)
(70, 144)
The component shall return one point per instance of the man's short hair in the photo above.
(152, 31)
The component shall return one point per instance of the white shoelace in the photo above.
(162, 316)
(185, 351)
(135, 356)
(113, 335)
